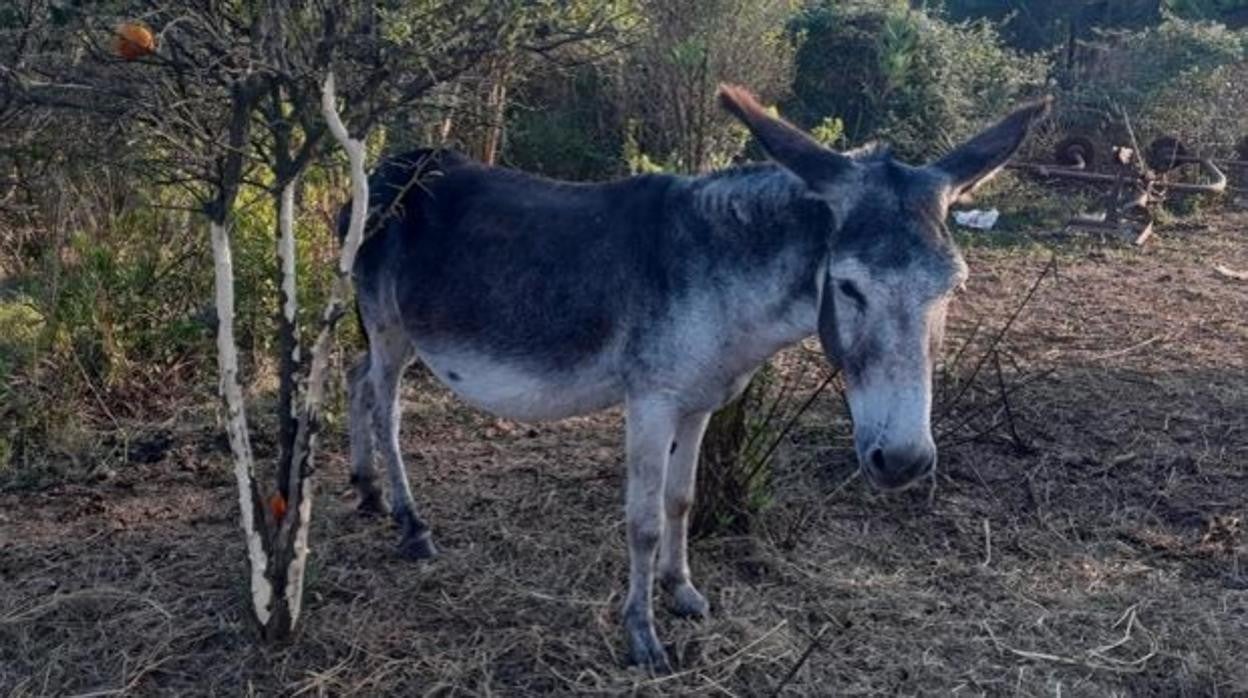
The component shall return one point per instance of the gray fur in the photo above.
(536, 299)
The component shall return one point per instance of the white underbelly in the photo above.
(515, 392)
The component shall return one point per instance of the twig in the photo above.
(1096, 657)
(987, 544)
(1009, 412)
(1135, 347)
(801, 661)
(980, 410)
(732, 657)
(996, 340)
(788, 425)
(86, 594)
(99, 399)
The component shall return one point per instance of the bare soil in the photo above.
(1091, 543)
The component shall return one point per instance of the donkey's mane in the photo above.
(875, 151)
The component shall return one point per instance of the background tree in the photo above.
(1037, 26)
(892, 73)
(684, 52)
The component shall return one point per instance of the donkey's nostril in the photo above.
(895, 469)
(877, 459)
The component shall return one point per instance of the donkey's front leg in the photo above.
(682, 470)
(650, 429)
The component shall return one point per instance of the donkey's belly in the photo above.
(510, 390)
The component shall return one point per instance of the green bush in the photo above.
(1176, 78)
(901, 75)
(739, 452)
(564, 125)
(113, 318)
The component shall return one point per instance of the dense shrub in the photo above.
(901, 75)
(566, 124)
(106, 315)
(653, 106)
(1040, 26)
(1205, 110)
(1176, 78)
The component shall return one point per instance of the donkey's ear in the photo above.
(784, 142)
(979, 159)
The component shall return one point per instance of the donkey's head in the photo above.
(891, 270)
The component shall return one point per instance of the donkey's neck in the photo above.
(760, 240)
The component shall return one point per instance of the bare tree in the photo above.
(226, 94)
(687, 50)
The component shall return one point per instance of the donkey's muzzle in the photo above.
(897, 468)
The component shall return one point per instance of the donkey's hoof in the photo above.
(373, 505)
(418, 547)
(650, 656)
(645, 650)
(688, 602)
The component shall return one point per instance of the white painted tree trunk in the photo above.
(249, 502)
(286, 255)
(298, 516)
(277, 536)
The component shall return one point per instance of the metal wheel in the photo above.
(1075, 151)
(1165, 153)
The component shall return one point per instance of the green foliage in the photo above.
(1205, 109)
(102, 321)
(117, 322)
(637, 161)
(667, 83)
(1179, 78)
(21, 325)
(1213, 10)
(566, 126)
(1038, 26)
(120, 295)
(739, 451)
(897, 74)
(21, 328)
(830, 131)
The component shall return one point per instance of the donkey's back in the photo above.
(519, 292)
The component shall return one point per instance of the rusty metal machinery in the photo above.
(1138, 183)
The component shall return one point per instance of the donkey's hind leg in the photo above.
(389, 356)
(360, 424)
(682, 468)
(650, 427)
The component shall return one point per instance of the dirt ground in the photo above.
(1091, 544)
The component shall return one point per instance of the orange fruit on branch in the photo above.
(277, 504)
(134, 40)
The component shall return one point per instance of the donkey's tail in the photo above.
(396, 183)
(344, 221)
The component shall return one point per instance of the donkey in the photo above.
(538, 300)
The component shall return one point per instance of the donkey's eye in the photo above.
(851, 291)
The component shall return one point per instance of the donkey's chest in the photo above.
(709, 350)
(517, 391)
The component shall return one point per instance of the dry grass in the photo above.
(1099, 551)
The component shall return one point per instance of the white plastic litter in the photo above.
(977, 219)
